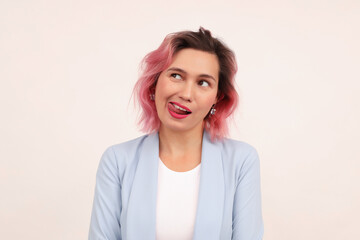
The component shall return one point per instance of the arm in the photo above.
(247, 217)
(105, 217)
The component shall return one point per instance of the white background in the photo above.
(67, 69)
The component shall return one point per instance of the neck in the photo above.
(180, 144)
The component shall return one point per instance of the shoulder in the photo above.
(127, 147)
(120, 154)
(237, 148)
(239, 154)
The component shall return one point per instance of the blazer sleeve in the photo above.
(247, 216)
(105, 216)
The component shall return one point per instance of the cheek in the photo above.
(207, 103)
(159, 90)
(212, 99)
(164, 89)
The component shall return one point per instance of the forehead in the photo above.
(196, 62)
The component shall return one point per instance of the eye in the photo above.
(204, 83)
(175, 75)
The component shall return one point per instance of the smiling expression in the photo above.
(187, 89)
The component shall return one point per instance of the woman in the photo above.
(184, 180)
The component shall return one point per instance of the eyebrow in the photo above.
(183, 71)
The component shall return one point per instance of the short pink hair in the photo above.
(158, 60)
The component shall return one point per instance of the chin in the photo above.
(180, 126)
(175, 127)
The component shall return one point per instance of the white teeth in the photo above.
(180, 108)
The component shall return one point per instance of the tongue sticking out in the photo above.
(178, 111)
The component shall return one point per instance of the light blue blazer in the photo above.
(229, 203)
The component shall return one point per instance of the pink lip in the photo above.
(176, 115)
(181, 106)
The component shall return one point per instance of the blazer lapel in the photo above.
(141, 214)
(211, 192)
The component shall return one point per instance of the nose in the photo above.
(187, 91)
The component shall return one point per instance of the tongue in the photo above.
(178, 111)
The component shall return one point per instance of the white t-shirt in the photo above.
(177, 198)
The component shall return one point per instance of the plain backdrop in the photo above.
(67, 69)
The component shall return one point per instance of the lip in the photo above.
(176, 115)
(187, 109)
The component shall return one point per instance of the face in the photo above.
(187, 89)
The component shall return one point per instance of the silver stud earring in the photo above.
(212, 111)
(152, 96)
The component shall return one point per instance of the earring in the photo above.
(212, 110)
(152, 96)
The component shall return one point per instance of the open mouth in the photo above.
(178, 111)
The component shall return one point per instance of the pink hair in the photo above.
(158, 60)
